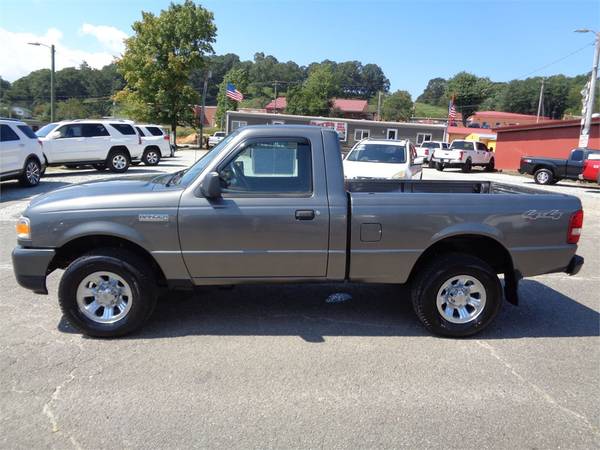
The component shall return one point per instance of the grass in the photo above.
(425, 110)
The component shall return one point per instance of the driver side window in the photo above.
(274, 166)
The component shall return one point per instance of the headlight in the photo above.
(23, 228)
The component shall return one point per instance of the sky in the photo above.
(413, 41)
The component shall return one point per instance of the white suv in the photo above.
(111, 144)
(382, 159)
(464, 154)
(156, 143)
(216, 138)
(21, 155)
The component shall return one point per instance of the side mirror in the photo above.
(211, 185)
(418, 161)
(54, 135)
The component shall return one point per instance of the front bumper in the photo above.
(574, 265)
(31, 266)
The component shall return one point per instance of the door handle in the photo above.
(305, 214)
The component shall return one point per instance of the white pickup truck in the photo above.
(465, 155)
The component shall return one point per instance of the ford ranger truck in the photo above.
(270, 205)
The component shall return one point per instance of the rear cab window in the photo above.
(123, 128)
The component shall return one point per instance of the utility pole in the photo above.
(379, 107)
(275, 82)
(589, 110)
(52, 96)
(541, 101)
(208, 75)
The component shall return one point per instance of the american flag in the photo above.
(451, 111)
(233, 93)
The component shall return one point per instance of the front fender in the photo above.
(104, 228)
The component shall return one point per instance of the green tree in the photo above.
(313, 96)
(397, 107)
(73, 108)
(469, 91)
(237, 77)
(160, 58)
(434, 93)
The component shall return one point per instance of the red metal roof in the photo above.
(507, 115)
(467, 130)
(546, 124)
(278, 103)
(350, 105)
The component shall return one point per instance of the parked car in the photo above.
(552, 170)
(464, 154)
(21, 155)
(270, 205)
(382, 159)
(427, 148)
(156, 144)
(591, 168)
(217, 137)
(111, 144)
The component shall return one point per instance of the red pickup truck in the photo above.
(591, 168)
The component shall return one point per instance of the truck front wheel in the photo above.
(457, 295)
(107, 293)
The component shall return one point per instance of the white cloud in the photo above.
(19, 59)
(110, 37)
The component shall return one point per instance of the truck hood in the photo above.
(361, 169)
(127, 192)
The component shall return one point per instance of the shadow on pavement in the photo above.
(301, 310)
(589, 185)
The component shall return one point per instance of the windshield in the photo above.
(461, 145)
(194, 170)
(378, 153)
(43, 132)
(429, 144)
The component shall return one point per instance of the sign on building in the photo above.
(340, 127)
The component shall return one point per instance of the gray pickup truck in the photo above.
(270, 205)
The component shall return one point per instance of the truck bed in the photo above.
(436, 186)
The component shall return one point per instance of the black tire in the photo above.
(426, 287)
(32, 173)
(543, 176)
(439, 167)
(491, 165)
(136, 271)
(118, 161)
(99, 167)
(467, 166)
(151, 157)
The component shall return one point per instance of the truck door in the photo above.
(272, 220)
(575, 163)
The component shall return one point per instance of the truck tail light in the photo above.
(461, 155)
(166, 137)
(575, 225)
(426, 152)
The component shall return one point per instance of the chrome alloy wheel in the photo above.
(151, 157)
(104, 297)
(543, 177)
(461, 299)
(32, 172)
(119, 162)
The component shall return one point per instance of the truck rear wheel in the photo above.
(543, 176)
(107, 293)
(457, 295)
(467, 166)
(439, 167)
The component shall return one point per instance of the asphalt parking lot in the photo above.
(278, 367)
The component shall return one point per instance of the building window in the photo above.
(361, 134)
(235, 124)
(392, 134)
(422, 137)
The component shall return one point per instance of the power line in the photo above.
(556, 61)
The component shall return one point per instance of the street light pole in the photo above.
(589, 110)
(52, 96)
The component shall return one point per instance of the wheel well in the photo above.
(483, 247)
(72, 250)
(31, 156)
(119, 147)
(152, 147)
(541, 166)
